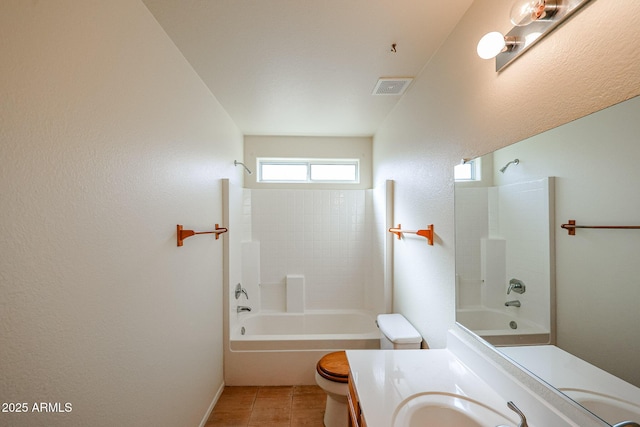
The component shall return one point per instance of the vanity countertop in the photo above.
(385, 379)
(566, 371)
(611, 398)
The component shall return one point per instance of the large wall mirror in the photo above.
(549, 300)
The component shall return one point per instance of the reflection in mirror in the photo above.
(504, 269)
(581, 294)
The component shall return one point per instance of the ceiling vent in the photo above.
(392, 86)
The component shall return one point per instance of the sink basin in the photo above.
(445, 409)
(611, 409)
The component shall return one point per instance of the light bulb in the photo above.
(490, 45)
(524, 12)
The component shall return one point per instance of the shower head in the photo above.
(504, 168)
(236, 163)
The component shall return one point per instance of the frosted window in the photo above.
(283, 172)
(337, 171)
(464, 172)
(468, 171)
(333, 172)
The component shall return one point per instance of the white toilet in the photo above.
(397, 333)
(332, 370)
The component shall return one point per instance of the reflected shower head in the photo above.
(236, 163)
(515, 162)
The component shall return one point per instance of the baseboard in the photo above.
(213, 403)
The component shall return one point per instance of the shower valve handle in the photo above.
(240, 290)
(516, 286)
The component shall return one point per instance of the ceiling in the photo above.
(301, 67)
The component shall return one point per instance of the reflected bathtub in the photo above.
(502, 327)
(283, 348)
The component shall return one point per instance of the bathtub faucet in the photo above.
(242, 308)
(514, 303)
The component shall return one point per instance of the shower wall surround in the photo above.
(324, 235)
(518, 216)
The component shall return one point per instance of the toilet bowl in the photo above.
(332, 375)
(332, 370)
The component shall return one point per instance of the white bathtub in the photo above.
(308, 331)
(496, 327)
(283, 348)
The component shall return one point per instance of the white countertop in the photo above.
(581, 381)
(566, 371)
(386, 378)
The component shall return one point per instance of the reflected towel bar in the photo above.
(183, 234)
(428, 233)
(571, 227)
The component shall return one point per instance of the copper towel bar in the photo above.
(571, 227)
(183, 234)
(428, 233)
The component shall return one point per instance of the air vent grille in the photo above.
(392, 86)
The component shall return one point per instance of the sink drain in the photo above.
(243, 330)
(513, 324)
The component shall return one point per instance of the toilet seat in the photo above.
(334, 367)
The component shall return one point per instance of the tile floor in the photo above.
(287, 406)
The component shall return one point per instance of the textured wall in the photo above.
(108, 139)
(460, 107)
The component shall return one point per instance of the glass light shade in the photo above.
(524, 12)
(490, 45)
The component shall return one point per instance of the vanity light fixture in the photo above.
(493, 43)
(524, 12)
(533, 19)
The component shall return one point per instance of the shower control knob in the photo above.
(516, 286)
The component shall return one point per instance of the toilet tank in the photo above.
(397, 332)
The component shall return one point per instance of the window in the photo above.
(338, 171)
(467, 171)
(283, 172)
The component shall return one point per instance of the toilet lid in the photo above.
(334, 367)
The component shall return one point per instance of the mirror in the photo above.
(578, 292)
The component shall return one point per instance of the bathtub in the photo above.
(283, 348)
(496, 327)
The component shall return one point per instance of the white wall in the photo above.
(324, 235)
(595, 161)
(318, 230)
(108, 140)
(525, 221)
(460, 107)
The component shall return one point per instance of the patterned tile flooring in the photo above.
(286, 406)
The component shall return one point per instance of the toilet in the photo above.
(397, 333)
(332, 375)
(332, 370)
